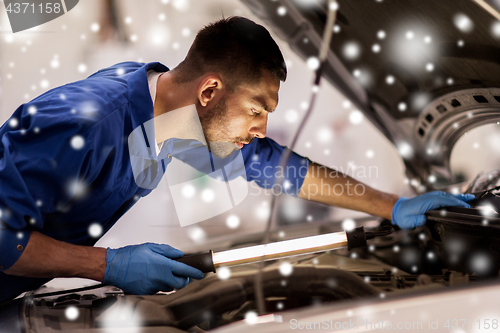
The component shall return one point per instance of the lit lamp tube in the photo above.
(209, 261)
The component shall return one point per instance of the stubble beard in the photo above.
(214, 125)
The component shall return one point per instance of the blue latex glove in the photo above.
(146, 269)
(409, 213)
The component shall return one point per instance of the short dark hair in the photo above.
(237, 48)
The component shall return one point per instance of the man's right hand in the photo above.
(147, 268)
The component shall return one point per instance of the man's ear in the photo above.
(208, 90)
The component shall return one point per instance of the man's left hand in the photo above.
(409, 213)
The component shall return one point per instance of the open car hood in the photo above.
(423, 71)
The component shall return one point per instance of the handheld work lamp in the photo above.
(210, 261)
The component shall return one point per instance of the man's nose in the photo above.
(259, 128)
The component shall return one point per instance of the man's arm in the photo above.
(334, 188)
(45, 257)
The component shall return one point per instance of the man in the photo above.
(67, 160)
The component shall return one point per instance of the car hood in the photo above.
(424, 72)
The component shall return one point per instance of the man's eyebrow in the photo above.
(262, 104)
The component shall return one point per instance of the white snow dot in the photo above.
(32, 109)
(188, 191)
(356, 117)
(313, 63)
(186, 32)
(480, 263)
(180, 5)
(381, 34)
(95, 230)
(336, 28)
(62, 97)
(376, 48)
(280, 306)
(475, 145)
(286, 268)
(82, 68)
(346, 104)
(176, 46)
(430, 255)
(309, 218)
(432, 179)
(291, 116)
(324, 134)
(405, 149)
(304, 105)
(20, 235)
(120, 71)
(161, 17)
(233, 221)
(44, 84)
(495, 29)
(427, 39)
(36, 130)
(9, 38)
(463, 22)
(460, 43)
(77, 142)
(71, 313)
(326, 152)
(223, 273)
(395, 248)
(410, 34)
(315, 89)
(251, 317)
(208, 195)
(133, 38)
(370, 153)
(449, 81)
(83, 37)
(281, 11)
(429, 67)
(348, 224)
(333, 6)
(197, 234)
(351, 50)
(128, 20)
(390, 79)
(13, 122)
(402, 106)
(371, 248)
(54, 63)
(95, 27)
(39, 203)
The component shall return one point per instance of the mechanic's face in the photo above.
(240, 116)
